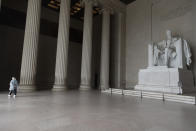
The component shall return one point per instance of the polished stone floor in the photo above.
(92, 111)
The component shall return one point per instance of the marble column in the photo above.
(30, 47)
(62, 46)
(122, 30)
(118, 79)
(105, 50)
(85, 82)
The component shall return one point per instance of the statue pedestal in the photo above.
(168, 80)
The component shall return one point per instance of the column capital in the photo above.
(117, 5)
(84, 2)
(107, 9)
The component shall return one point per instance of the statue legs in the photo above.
(150, 55)
(166, 56)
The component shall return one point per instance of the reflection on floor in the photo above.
(92, 111)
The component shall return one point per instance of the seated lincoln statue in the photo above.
(172, 52)
(167, 62)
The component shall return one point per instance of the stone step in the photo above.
(155, 95)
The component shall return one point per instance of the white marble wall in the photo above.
(178, 16)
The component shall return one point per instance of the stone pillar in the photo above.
(87, 46)
(105, 50)
(118, 50)
(122, 30)
(30, 47)
(62, 46)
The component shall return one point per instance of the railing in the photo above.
(141, 92)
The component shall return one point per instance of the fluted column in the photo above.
(31, 38)
(118, 56)
(122, 50)
(87, 47)
(62, 46)
(104, 74)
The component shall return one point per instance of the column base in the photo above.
(26, 88)
(59, 88)
(85, 87)
(103, 87)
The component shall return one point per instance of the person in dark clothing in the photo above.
(13, 87)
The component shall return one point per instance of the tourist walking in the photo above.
(13, 87)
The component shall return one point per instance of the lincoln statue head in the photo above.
(169, 34)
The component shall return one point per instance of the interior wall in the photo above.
(14, 4)
(74, 65)
(142, 27)
(46, 60)
(113, 52)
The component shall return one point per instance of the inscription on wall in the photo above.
(154, 2)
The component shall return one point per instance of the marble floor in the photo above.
(92, 111)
